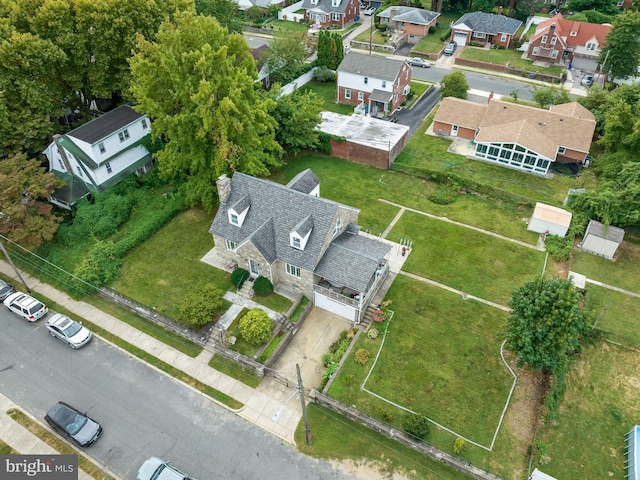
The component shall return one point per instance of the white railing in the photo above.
(336, 296)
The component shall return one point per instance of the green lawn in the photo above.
(470, 261)
(502, 57)
(616, 272)
(375, 36)
(441, 358)
(327, 91)
(167, 266)
(285, 26)
(240, 345)
(616, 315)
(599, 407)
(338, 178)
(432, 42)
(430, 153)
(275, 302)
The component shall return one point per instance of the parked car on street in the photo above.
(587, 80)
(69, 331)
(155, 468)
(418, 62)
(450, 48)
(26, 306)
(73, 424)
(5, 290)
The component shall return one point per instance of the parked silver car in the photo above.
(69, 331)
(155, 468)
(450, 48)
(418, 62)
(26, 306)
(5, 290)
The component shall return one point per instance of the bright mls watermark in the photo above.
(39, 467)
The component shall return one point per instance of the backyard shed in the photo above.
(367, 140)
(549, 220)
(602, 240)
(538, 475)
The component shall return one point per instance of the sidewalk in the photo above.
(267, 406)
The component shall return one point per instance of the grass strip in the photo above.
(234, 370)
(271, 347)
(57, 444)
(6, 449)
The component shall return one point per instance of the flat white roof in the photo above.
(538, 475)
(551, 214)
(363, 129)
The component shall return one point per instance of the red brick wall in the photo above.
(354, 97)
(445, 127)
(571, 156)
(467, 133)
(367, 155)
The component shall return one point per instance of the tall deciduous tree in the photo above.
(225, 11)
(26, 217)
(297, 116)
(546, 96)
(454, 85)
(286, 56)
(546, 324)
(196, 81)
(621, 55)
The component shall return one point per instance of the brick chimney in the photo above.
(552, 30)
(224, 187)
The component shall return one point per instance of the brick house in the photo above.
(379, 84)
(413, 22)
(518, 136)
(564, 41)
(298, 240)
(483, 28)
(331, 13)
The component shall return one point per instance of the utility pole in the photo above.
(14, 267)
(304, 408)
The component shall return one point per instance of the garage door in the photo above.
(460, 38)
(335, 307)
(586, 64)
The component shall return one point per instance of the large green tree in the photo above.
(454, 85)
(620, 56)
(330, 50)
(297, 116)
(196, 81)
(547, 322)
(26, 217)
(286, 56)
(546, 96)
(225, 11)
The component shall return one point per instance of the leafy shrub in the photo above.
(445, 36)
(386, 414)
(262, 287)
(324, 74)
(559, 247)
(329, 371)
(373, 333)
(348, 379)
(100, 265)
(432, 30)
(458, 446)
(382, 27)
(443, 195)
(416, 425)
(199, 306)
(378, 316)
(256, 327)
(362, 356)
(238, 277)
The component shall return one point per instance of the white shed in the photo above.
(549, 220)
(538, 475)
(601, 240)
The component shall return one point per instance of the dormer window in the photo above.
(299, 236)
(238, 210)
(233, 218)
(335, 3)
(295, 242)
(337, 227)
(574, 34)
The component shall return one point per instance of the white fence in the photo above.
(288, 14)
(298, 82)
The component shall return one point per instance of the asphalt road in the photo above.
(143, 412)
(478, 81)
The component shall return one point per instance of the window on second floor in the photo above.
(337, 227)
(144, 124)
(230, 245)
(295, 243)
(79, 171)
(544, 39)
(101, 147)
(384, 84)
(553, 40)
(366, 80)
(123, 135)
(292, 270)
(233, 218)
(108, 165)
(591, 46)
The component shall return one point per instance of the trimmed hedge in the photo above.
(238, 277)
(262, 287)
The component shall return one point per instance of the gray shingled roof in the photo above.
(371, 66)
(380, 96)
(304, 227)
(351, 260)
(275, 211)
(242, 204)
(414, 15)
(106, 124)
(490, 23)
(611, 233)
(304, 182)
(325, 6)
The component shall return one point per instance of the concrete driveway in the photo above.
(319, 330)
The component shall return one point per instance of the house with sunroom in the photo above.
(299, 241)
(378, 84)
(518, 136)
(482, 28)
(99, 154)
(331, 13)
(413, 22)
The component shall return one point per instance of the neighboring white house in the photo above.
(549, 220)
(99, 154)
(602, 240)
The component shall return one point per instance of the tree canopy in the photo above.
(546, 324)
(620, 56)
(26, 216)
(196, 82)
(330, 49)
(286, 56)
(454, 85)
(225, 11)
(546, 96)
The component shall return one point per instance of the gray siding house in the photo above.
(300, 241)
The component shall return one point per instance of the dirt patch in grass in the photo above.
(366, 470)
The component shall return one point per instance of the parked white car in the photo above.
(369, 11)
(69, 331)
(26, 306)
(155, 468)
(418, 62)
